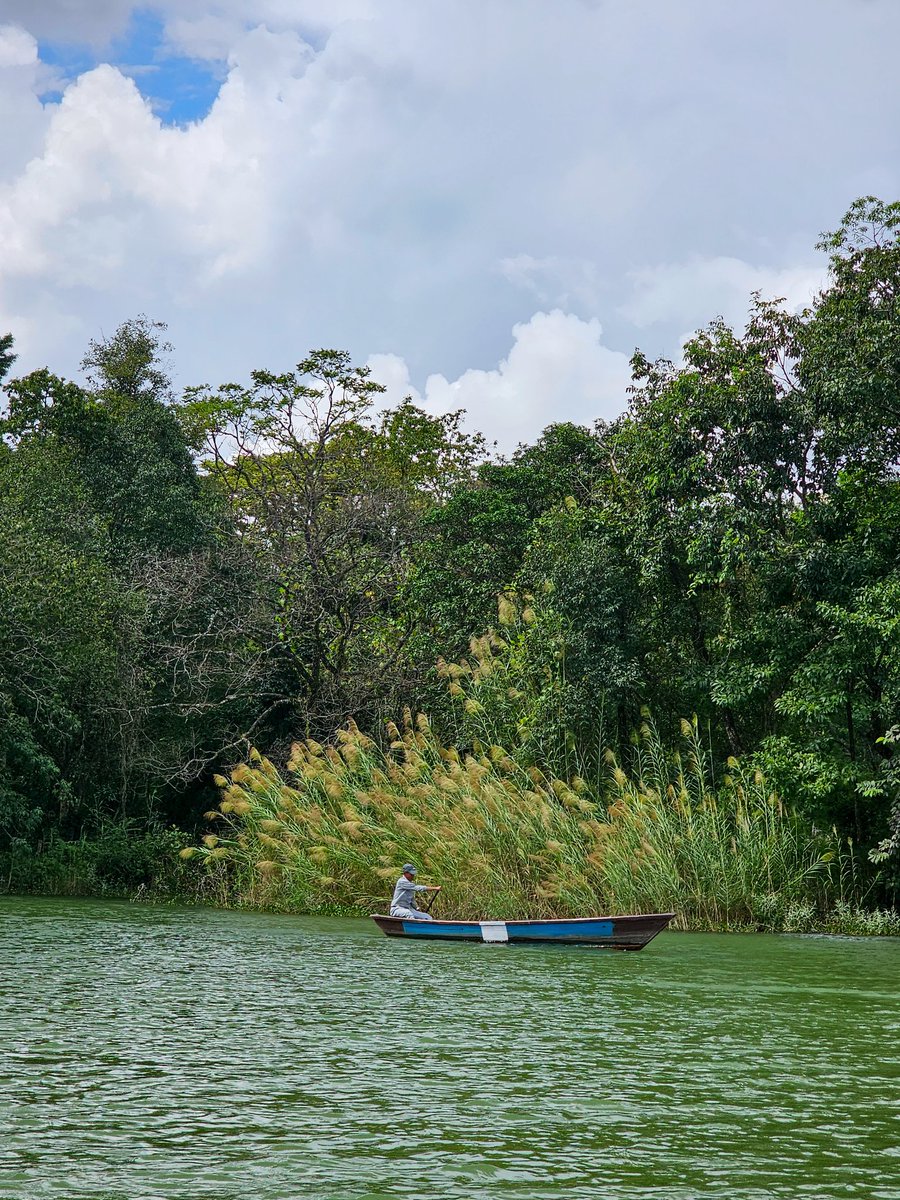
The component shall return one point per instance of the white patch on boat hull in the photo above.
(493, 931)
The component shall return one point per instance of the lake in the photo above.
(152, 1052)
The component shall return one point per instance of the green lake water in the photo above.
(177, 1053)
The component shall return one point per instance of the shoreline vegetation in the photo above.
(507, 840)
(324, 836)
(206, 598)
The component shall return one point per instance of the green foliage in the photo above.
(852, 921)
(472, 546)
(60, 614)
(469, 548)
(127, 453)
(143, 472)
(328, 500)
(129, 367)
(112, 689)
(121, 860)
(7, 358)
(29, 778)
(514, 688)
(732, 550)
(431, 456)
(887, 789)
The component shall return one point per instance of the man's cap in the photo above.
(408, 869)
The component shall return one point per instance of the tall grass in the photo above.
(720, 857)
(507, 840)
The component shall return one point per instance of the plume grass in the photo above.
(507, 840)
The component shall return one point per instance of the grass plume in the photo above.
(508, 840)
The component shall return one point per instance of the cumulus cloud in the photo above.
(17, 47)
(420, 178)
(21, 74)
(113, 193)
(110, 180)
(392, 372)
(557, 370)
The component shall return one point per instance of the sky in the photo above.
(492, 203)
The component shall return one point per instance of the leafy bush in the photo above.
(119, 861)
(852, 921)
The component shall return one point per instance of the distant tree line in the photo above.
(182, 576)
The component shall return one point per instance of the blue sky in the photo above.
(179, 88)
(492, 202)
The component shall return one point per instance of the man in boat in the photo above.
(403, 901)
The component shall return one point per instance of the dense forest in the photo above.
(284, 562)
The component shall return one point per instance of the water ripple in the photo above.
(160, 1054)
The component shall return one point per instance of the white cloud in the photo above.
(70, 20)
(208, 36)
(21, 74)
(564, 282)
(696, 291)
(113, 187)
(392, 372)
(17, 47)
(420, 178)
(557, 370)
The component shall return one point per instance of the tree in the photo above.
(7, 358)
(474, 542)
(60, 616)
(127, 654)
(328, 500)
(141, 468)
(127, 446)
(733, 553)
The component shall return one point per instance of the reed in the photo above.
(508, 840)
(721, 857)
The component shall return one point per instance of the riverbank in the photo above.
(510, 840)
(119, 862)
(149, 870)
(326, 835)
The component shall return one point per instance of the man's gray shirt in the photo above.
(405, 893)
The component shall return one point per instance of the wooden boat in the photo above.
(612, 933)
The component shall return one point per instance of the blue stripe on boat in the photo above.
(443, 929)
(516, 931)
(560, 929)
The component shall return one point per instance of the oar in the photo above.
(429, 902)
